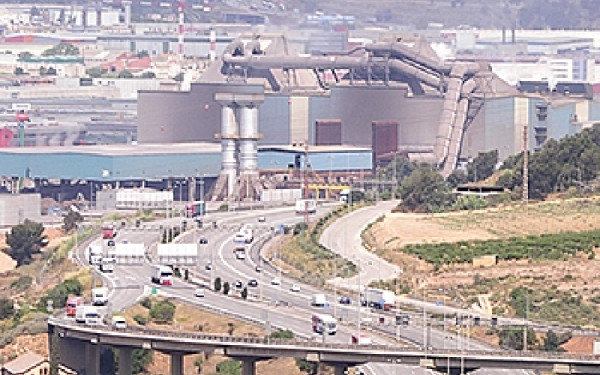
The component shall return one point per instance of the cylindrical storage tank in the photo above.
(248, 139)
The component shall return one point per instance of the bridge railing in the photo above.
(227, 340)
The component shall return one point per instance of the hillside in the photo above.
(539, 14)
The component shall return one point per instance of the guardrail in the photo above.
(228, 341)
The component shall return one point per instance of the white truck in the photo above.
(240, 251)
(95, 254)
(323, 323)
(107, 264)
(379, 298)
(319, 300)
(89, 315)
(306, 205)
(162, 275)
(99, 296)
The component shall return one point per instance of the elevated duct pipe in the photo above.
(448, 117)
(456, 137)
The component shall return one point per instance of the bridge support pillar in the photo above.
(176, 363)
(248, 366)
(340, 368)
(125, 360)
(92, 359)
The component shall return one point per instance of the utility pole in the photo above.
(306, 183)
(525, 166)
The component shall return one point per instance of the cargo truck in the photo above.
(89, 315)
(318, 300)
(379, 298)
(306, 205)
(162, 275)
(72, 303)
(95, 254)
(323, 323)
(99, 296)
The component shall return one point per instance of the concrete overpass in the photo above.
(80, 346)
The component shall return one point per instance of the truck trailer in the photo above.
(306, 205)
(162, 275)
(379, 298)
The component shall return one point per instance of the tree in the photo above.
(71, 219)
(178, 77)
(25, 55)
(51, 71)
(125, 74)
(307, 366)
(148, 75)
(62, 49)
(198, 362)
(482, 166)
(512, 338)
(162, 312)
(142, 54)
(244, 293)
(24, 241)
(6, 308)
(551, 342)
(282, 334)
(457, 177)
(95, 72)
(140, 359)
(425, 190)
(19, 71)
(226, 287)
(218, 284)
(43, 71)
(229, 367)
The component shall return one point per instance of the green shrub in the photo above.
(282, 334)
(229, 367)
(59, 293)
(147, 303)
(140, 319)
(22, 283)
(162, 312)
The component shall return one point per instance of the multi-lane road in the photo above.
(274, 306)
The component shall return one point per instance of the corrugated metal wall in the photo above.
(384, 137)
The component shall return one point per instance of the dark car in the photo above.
(203, 241)
(110, 243)
(238, 284)
(253, 282)
(208, 267)
(345, 300)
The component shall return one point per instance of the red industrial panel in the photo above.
(328, 132)
(6, 137)
(384, 138)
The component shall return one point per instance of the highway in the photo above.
(280, 307)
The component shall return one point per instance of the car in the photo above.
(119, 322)
(258, 269)
(203, 241)
(295, 288)
(110, 243)
(276, 281)
(199, 293)
(252, 282)
(239, 284)
(345, 300)
(262, 219)
(208, 266)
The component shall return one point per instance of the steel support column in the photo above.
(248, 366)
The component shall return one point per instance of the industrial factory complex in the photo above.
(254, 110)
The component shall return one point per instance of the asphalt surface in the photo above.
(273, 306)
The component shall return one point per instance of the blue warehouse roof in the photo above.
(158, 161)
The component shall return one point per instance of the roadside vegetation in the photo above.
(311, 262)
(559, 246)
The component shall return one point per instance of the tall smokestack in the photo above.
(212, 52)
(99, 16)
(180, 29)
(127, 5)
